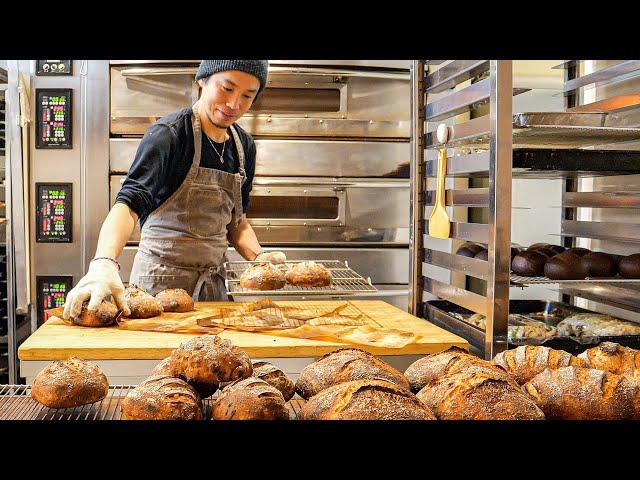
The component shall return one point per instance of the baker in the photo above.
(189, 186)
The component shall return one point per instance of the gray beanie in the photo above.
(257, 68)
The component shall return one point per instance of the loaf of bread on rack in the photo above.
(69, 383)
(207, 361)
(529, 263)
(309, 274)
(577, 393)
(524, 327)
(262, 276)
(345, 365)
(163, 368)
(365, 400)
(250, 399)
(104, 316)
(478, 395)
(141, 304)
(612, 357)
(451, 360)
(469, 249)
(161, 397)
(175, 300)
(526, 361)
(275, 377)
(594, 324)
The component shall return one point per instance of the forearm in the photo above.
(116, 230)
(244, 239)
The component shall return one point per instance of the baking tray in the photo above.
(522, 280)
(345, 281)
(440, 312)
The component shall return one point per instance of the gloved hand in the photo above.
(101, 280)
(273, 257)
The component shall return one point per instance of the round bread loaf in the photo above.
(556, 248)
(565, 266)
(141, 304)
(579, 251)
(526, 361)
(275, 377)
(262, 276)
(576, 393)
(103, 316)
(482, 254)
(175, 300)
(365, 400)
(69, 383)
(469, 249)
(161, 397)
(515, 251)
(629, 266)
(207, 361)
(612, 357)
(474, 395)
(548, 252)
(529, 263)
(538, 245)
(250, 399)
(451, 360)
(163, 368)
(309, 274)
(599, 264)
(345, 365)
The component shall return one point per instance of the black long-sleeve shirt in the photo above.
(165, 155)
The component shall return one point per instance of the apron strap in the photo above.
(241, 179)
(197, 135)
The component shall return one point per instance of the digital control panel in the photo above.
(53, 212)
(53, 67)
(53, 118)
(51, 293)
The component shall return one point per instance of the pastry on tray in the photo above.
(309, 274)
(262, 276)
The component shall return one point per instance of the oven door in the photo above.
(298, 101)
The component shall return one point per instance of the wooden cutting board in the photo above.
(57, 340)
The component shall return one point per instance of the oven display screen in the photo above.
(53, 114)
(52, 293)
(53, 212)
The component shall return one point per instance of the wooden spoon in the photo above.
(439, 222)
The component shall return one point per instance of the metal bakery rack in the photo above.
(16, 403)
(488, 139)
(345, 281)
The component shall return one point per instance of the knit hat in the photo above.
(257, 68)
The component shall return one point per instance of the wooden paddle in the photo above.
(439, 222)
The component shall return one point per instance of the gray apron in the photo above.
(184, 241)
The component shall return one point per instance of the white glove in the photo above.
(273, 257)
(101, 280)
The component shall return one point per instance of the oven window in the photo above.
(276, 100)
(284, 207)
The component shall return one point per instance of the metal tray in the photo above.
(518, 280)
(439, 313)
(345, 281)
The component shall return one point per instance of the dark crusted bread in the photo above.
(629, 266)
(103, 316)
(477, 396)
(579, 251)
(345, 365)
(141, 304)
(275, 377)
(576, 393)
(365, 400)
(529, 263)
(161, 397)
(526, 361)
(207, 361)
(565, 266)
(175, 300)
(250, 399)
(599, 264)
(69, 383)
(469, 249)
(611, 357)
(451, 360)
(309, 274)
(262, 276)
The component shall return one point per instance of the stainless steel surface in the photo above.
(569, 119)
(624, 296)
(461, 165)
(469, 197)
(453, 73)
(10, 268)
(303, 158)
(345, 281)
(472, 132)
(627, 232)
(520, 280)
(604, 76)
(469, 266)
(16, 403)
(459, 296)
(602, 199)
(471, 232)
(499, 244)
(395, 64)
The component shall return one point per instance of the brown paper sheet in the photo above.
(360, 335)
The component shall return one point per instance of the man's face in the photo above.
(226, 96)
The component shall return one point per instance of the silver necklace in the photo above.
(224, 144)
